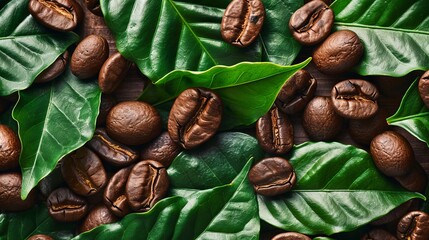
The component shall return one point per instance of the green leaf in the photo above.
(53, 120)
(19, 226)
(412, 114)
(189, 33)
(217, 162)
(26, 48)
(338, 189)
(395, 34)
(248, 90)
(226, 212)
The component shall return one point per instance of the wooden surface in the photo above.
(391, 89)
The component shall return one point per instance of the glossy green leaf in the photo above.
(21, 225)
(215, 163)
(225, 212)
(394, 33)
(338, 189)
(247, 90)
(161, 36)
(54, 119)
(412, 114)
(26, 48)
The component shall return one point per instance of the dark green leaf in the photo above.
(412, 115)
(19, 226)
(215, 163)
(248, 90)
(26, 48)
(225, 212)
(395, 34)
(53, 120)
(189, 33)
(338, 190)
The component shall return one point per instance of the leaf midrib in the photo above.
(184, 22)
(393, 29)
(345, 190)
(395, 119)
(26, 36)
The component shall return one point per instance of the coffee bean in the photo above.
(99, 215)
(113, 72)
(415, 180)
(274, 132)
(59, 15)
(111, 151)
(291, 236)
(107, 103)
(163, 149)
(364, 130)
(272, 176)
(40, 237)
(311, 23)
(413, 226)
(355, 99)
(424, 88)
(88, 57)
(392, 154)
(296, 92)
(194, 117)
(395, 214)
(83, 172)
(242, 22)
(65, 206)
(10, 148)
(10, 193)
(114, 195)
(146, 185)
(53, 71)
(341, 51)
(133, 123)
(94, 7)
(51, 182)
(378, 234)
(320, 121)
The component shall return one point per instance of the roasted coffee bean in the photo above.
(54, 70)
(242, 22)
(195, 117)
(413, 226)
(291, 236)
(272, 176)
(100, 214)
(341, 51)
(59, 15)
(320, 121)
(355, 99)
(113, 72)
(40, 237)
(107, 103)
(114, 195)
(133, 123)
(83, 172)
(163, 149)
(88, 57)
(414, 181)
(364, 130)
(296, 92)
(110, 150)
(94, 7)
(147, 184)
(10, 193)
(51, 182)
(10, 148)
(392, 154)
(395, 214)
(312, 23)
(274, 132)
(65, 206)
(424, 88)
(378, 234)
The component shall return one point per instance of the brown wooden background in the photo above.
(391, 89)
